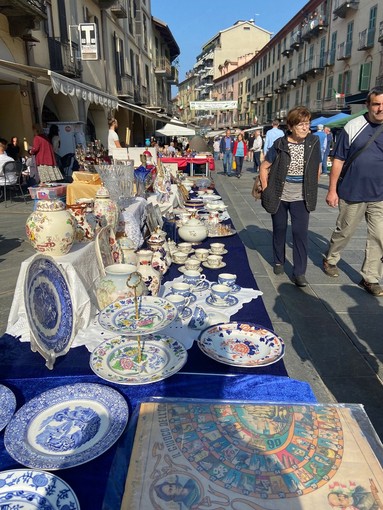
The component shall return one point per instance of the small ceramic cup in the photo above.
(217, 248)
(184, 247)
(193, 278)
(201, 254)
(179, 257)
(214, 260)
(181, 288)
(192, 264)
(180, 302)
(198, 319)
(219, 292)
(227, 279)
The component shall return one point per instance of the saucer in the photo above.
(221, 253)
(229, 301)
(182, 269)
(186, 313)
(222, 264)
(193, 297)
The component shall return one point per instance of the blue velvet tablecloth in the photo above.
(25, 374)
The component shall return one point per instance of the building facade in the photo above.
(44, 77)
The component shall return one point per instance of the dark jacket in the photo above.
(271, 196)
(222, 144)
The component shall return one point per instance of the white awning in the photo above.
(145, 112)
(59, 83)
(70, 87)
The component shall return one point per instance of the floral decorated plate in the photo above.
(241, 344)
(49, 307)
(154, 313)
(66, 426)
(30, 489)
(116, 360)
(8, 406)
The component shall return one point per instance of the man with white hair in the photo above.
(323, 145)
(4, 158)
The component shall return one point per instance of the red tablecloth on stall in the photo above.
(183, 162)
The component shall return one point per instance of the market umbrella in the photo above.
(171, 129)
(198, 144)
(319, 120)
(342, 122)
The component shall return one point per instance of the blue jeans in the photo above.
(227, 162)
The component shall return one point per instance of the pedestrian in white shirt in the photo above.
(257, 149)
(113, 140)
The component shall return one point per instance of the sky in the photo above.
(194, 22)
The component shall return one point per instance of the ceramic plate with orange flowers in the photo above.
(241, 344)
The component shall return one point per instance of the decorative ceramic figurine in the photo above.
(159, 260)
(112, 287)
(51, 228)
(193, 231)
(150, 276)
(105, 208)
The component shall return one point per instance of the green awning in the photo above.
(342, 122)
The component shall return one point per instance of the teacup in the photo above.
(192, 264)
(209, 191)
(227, 279)
(184, 247)
(201, 254)
(180, 302)
(179, 257)
(181, 288)
(198, 319)
(193, 278)
(219, 292)
(217, 248)
(214, 260)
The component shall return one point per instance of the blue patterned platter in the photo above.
(241, 344)
(7, 405)
(66, 426)
(116, 360)
(28, 489)
(155, 313)
(49, 305)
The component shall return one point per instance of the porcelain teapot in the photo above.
(193, 231)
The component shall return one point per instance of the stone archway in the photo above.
(97, 124)
(58, 107)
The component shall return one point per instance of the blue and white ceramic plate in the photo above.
(241, 344)
(7, 406)
(229, 301)
(154, 313)
(66, 426)
(116, 360)
(28, 489)
(49, 305)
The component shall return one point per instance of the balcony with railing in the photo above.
(342, 7)
(314, 27)
(287, 51)
(380, 33)
(366, 39)
(344, 50)
(163, 67)
(292, 77)
(126, 86)
(23, 15)
(62, 59)
(119, 9)
(282, 82)
(296, 40)
(311, 67)
(173, 78)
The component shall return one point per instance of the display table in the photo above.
(183, 163)
(84, 185)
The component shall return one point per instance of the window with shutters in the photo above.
(365, 76)
(330, 87)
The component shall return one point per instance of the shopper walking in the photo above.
(216, 149)
(289, 178)
(356, 188)
(226, 147)
(323, 145)
(257, 149)
(239, 152)
(273, 134)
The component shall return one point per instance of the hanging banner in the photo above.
(213, 105)
(88, 41)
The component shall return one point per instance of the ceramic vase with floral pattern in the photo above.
(105, 209)
(113, 286)
(150, 276)
(87, 223)
(51, 229)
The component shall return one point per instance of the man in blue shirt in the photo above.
(272, 135)
(358, 192)
(226, 147)
(323, 145)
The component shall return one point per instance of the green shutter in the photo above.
(364, 77)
